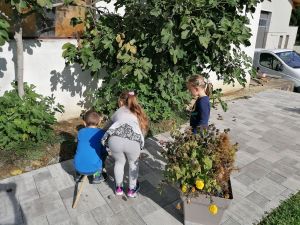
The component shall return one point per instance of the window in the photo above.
(264, 20)
(269, 61)
(291, 58)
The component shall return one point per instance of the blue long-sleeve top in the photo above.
(200, 114)
(89, 153)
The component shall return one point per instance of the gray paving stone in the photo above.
(251, 150)
(255, 171)
(244, 158)
(258, 199)
(25, 183)
(288, 161)
(28, 195)
(61, 217)
(287, 193)
(161, 217)
(101, 213)
(259, 144)
(40, 220)
(284, 170)
(268, 188)
(274, 203)
(269, 155)
(45, 187)
(244, 179)
(85, 219)
(245, 212)
(231, 221)
(265, 163)
(240, 191)
(130, 217)
(33, 208)
(10, 212)
(111, 221)
(292, 183)
(276, 177)
(145, 206)
(45, 175)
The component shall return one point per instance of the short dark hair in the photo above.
(91, 118)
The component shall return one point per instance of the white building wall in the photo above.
(279, 26)
(45, 67)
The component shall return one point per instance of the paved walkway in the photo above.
(267, 127)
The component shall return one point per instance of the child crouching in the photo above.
(90, 154)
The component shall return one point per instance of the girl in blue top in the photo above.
(201, 109)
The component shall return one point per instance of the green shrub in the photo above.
(156, 45)
(26, 123)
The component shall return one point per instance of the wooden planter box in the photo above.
(197, 212)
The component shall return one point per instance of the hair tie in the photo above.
(131, 93)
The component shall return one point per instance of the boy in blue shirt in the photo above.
(90, 154)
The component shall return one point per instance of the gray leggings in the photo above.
(119, 148)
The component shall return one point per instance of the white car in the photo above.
(281, 62)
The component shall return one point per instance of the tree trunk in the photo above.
(20, 59)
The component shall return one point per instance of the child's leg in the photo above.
(116, 145)
(132, 152)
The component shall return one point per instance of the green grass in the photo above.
(287, 213)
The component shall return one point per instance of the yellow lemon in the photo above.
(127, 47)
(16, 172)
(200, 184)
(213, 209)
(132, 49)
(184, 188)
(118, 38)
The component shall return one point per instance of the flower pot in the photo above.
(197, 211)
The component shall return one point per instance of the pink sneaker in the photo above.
(119, 190)
(132, 193)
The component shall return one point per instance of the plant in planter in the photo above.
(200, 165)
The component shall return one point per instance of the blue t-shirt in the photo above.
(200, 114)
(88, 157)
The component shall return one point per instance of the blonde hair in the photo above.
(199, 81)
(129, 99)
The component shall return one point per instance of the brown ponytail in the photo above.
(198, 81)
(129, 99)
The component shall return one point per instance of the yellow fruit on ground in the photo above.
(193, 189)
(16, 172)
(200, 184)
(178, 206)
(184, 188)
(213, 209)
